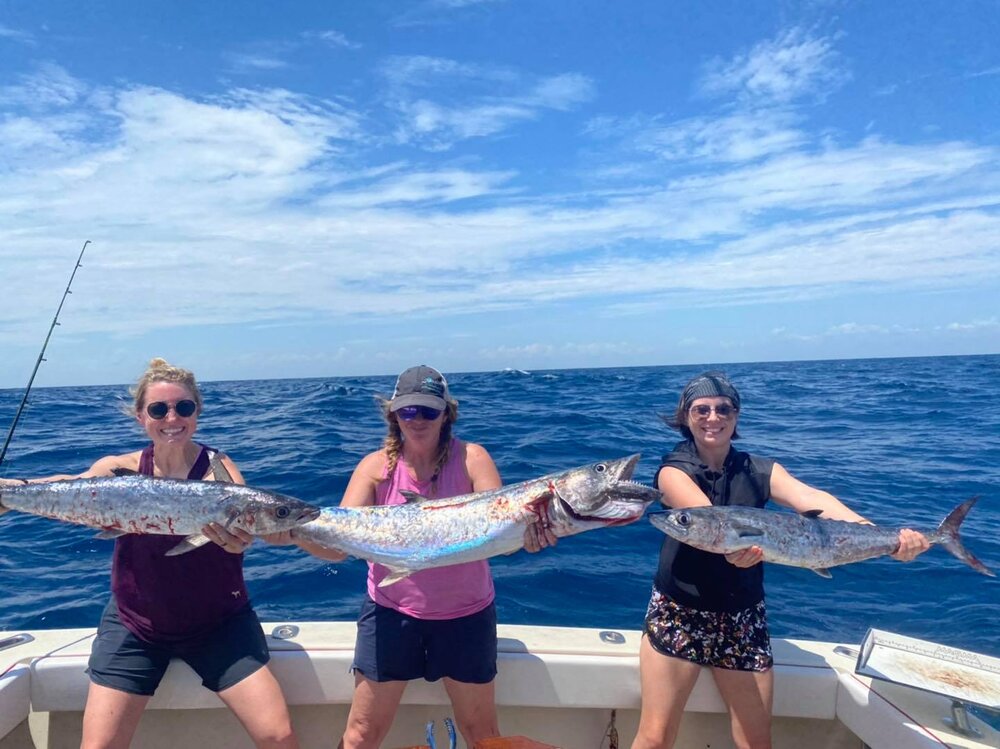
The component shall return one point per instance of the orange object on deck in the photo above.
(512, 742)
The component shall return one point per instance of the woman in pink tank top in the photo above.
(437, 623)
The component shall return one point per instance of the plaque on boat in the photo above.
(963, 675)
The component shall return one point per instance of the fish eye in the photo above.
(600, 468)
(282, 512)
(683, 519)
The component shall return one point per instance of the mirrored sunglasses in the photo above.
(703, 412)
(409, 413)
(159, 409)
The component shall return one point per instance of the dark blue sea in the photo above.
(900, 440)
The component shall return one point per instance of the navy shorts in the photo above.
(222, 658)
(393, 646)
(736, 640)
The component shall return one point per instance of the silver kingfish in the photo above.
(805, 540)
(426, 533)
(143, 504)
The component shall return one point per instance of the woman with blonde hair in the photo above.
(192, 606)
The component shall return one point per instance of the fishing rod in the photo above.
(41, 355)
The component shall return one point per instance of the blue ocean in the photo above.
(900, 440)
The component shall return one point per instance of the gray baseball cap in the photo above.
(420, 386)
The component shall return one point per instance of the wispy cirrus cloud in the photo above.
(777, 71)
(443, 101)
(332, 38)
(16, 35)
(282, 207)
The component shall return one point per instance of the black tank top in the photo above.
(700, 579)
(168, 599)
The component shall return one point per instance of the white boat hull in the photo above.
(556, 685)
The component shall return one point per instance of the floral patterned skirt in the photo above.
(735, 640)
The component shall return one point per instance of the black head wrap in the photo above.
(709, 385)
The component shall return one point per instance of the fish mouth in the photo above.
(628, 505)
(307, 515)
(625, 467)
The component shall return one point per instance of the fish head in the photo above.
(599, 494)
(269, 512)
(693, 526)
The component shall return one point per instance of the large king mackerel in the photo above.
(142, 504)
(802, 540)
(428, 533)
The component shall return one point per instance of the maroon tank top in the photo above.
(166, 599)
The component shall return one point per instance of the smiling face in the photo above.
(709, 427)
(173, 428)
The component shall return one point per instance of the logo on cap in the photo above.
(432, 386)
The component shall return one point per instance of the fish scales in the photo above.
(805, 540)
(148, 505)
(427, 533)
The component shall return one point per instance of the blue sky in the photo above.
(334, 188)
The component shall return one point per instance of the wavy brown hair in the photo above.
(393, 442)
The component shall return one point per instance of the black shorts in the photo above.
(224, 657)
(393, 646)
(737, 640)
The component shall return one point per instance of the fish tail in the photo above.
(950, 539)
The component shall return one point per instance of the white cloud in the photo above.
(264, 207)
(246, 62)
(48, 86)
(735, 137)
(459, 101)
(332, 38)
(991, 323)
(16, 35)
(780, 70)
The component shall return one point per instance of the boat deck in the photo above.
(556, 685)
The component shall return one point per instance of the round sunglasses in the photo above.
(409, 413)
(159, 409)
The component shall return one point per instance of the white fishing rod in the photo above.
(41, 355)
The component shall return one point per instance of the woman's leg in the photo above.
(666, 685)
(111, 718)
(372, 710)
(749, 697)
(260, 706)
(475, 709)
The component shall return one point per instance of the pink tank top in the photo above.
(442, 592)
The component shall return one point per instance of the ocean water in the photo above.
(900, 440)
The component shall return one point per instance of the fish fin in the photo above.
(950, 539)
(110, 533)
(395, 575)
(119, 471)
(822, 572)
(412, 496)
(190, 543)
(747, 531)
(812, 513)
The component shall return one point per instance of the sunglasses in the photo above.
(159, 410)
(409, 413)
(723, 412)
